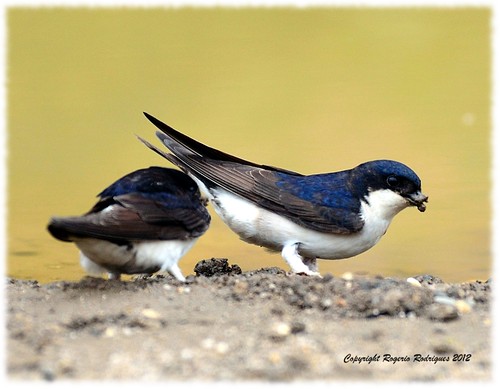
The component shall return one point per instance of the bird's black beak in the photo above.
(418, 199)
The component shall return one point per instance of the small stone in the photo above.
(463, 306)
(374, 335)
(277, 311)
(297, 327)
(222, 348)
(442, 312)
(109, 332)
(440, 329)
(414, 282)
(183, 289)
(428, 279)
(327, 277)
(442, 346)
(150, 313)
(48, 374)
(186, 354)
(208, 343)
(325, 303)
(240, 287)
(274, 357)
(444, 299)
(280, 331)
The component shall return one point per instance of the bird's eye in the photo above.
(392, 181)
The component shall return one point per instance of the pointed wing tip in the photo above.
(144, 141)
(161, 136)
(154, 120)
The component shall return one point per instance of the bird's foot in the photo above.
(310, 273)
(175, 271)
(299, 265)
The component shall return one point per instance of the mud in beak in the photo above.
(418, 199)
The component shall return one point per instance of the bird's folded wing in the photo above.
(132, 217)
(259, 186)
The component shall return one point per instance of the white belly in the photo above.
(99, 256)
(264, 228)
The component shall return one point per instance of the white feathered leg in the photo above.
(297, 263)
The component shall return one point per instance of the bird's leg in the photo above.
(297, 262)
(175, 271)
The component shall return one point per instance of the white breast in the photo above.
(264, 228)
(99, 256)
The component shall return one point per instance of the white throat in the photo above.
(383, 205)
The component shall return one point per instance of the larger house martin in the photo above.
(328, 216)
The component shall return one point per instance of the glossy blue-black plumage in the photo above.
(329, 194)
(172, 188)
(148, 204)
(346, 188)
(337, 196)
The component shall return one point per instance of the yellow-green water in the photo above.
(311, 90)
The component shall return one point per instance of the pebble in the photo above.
(240, 287)
(187, 353)
(109, 332)
(274, 357)
(297, 327)
(442, 312)
(282, 329)
(443, 346)
(325, 303)
(440, 329)
(183, 289)
(150, 313)
(211, 344)
(444, 299)
(208, 343)
(414, 282)
(222, 348)
(327, 277)
(463, 306)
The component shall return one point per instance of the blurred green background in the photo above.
(312, 90)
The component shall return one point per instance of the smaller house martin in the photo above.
(143, 223)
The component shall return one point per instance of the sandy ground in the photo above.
(263, 325)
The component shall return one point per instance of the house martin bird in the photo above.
(143, 223)
(327, 216)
